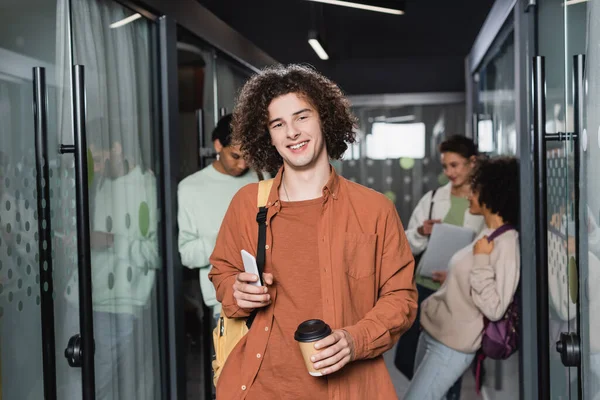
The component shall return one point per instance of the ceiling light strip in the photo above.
(316, 45)
(361, 6)
(125, 21)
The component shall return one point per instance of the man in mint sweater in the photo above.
(203, 200)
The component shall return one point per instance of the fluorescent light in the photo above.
(125, 21)
(573, 2)
(318, 49)
(485, 135)
(315, 43)
(403, 118)
(391, 141)
(368, 7)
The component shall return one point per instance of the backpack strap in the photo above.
(431, 204)
(264, 189)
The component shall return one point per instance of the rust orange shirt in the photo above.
(293, 262)
(365, 275)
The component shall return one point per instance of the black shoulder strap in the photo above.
(431, 204)
(261, 218)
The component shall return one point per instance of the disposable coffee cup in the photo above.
(306, 335)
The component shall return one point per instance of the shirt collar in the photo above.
(331, 187)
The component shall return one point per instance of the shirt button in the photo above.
(267, 247)
(266, 328)
(258, 355)
(243, 387)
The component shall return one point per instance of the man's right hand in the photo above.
(249, 296)
(427, 227)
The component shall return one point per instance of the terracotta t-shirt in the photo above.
(295, 268)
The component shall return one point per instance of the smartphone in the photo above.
(250, 266)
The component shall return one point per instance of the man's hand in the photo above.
(427, 227)
(338, 350)
(249, 296)
(101, 240)
(482, 246)
(439, 276)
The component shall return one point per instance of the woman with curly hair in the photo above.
(481, 282)
(335, 252)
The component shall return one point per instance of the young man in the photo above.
(335, 251)
(203, 200)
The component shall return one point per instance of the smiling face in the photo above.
(456, 168)
(295, 129)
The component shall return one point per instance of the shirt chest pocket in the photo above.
(360, 254)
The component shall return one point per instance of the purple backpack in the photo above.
(500, 338)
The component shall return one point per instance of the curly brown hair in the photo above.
(496, 181)
(251, 115)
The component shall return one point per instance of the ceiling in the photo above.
(421, 51)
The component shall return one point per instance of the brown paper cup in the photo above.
(308, 349)
(308, 333)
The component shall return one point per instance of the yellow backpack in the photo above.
(230, 330)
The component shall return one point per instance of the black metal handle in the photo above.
(86, 321)
(569, 349)
(74, 352)
(40, 110)
(541, 223)
(572, 349)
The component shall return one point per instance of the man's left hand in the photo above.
(335, 351)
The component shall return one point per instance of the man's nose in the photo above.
(292, 132)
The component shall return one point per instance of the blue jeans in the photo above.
(437, 367)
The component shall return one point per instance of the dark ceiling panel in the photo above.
(421, 51)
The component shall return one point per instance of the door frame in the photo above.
(531, 368)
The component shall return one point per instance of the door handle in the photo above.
(81, 347)
(568, 346)
(40, 110)
(541, 225)
(74, 352)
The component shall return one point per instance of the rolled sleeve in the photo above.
(225, 260)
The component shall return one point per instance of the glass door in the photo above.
(29, 71)
(230, 79)
(590, 209)
(496, 96)
(562, 41)
(46, 249)
(197, 79)
(112, 49)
